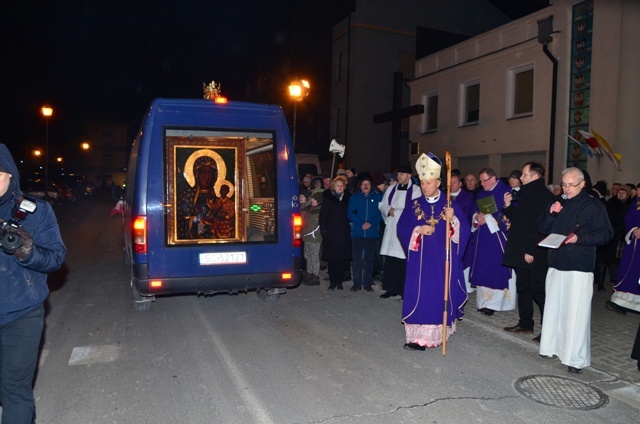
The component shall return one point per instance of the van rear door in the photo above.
(221, 199)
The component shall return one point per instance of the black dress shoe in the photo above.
(574, 370)
(339, 286)
(355, 288)
(487, 311)
(332, 286)
(537, 338)
(413, 346)
(518, 329)
(368, 289)
(615, 308)
(386, 295)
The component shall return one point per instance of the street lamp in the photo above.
(298, 90)
(46, 112)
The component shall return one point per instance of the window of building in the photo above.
(470, 103)
(430, 117)
(520, 91)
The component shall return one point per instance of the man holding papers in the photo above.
(493, 281)
(569, 283)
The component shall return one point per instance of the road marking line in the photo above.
(254, 405)
(87, 355)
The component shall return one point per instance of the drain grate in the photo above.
(560, 392)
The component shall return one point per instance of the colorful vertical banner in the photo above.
(580, 95)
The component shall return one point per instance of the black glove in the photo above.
(17, 241)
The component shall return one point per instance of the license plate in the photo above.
(223, 258)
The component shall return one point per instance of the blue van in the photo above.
(211, 201)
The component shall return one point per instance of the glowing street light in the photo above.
(298, 90)
(85, 146)
(46, 112)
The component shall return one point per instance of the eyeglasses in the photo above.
(484, 181)
(565, 185)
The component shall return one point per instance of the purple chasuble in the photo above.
(486, 250)
(424, 284)
(629, 271)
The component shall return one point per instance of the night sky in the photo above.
(108, 59)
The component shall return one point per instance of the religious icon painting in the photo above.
(204, 180)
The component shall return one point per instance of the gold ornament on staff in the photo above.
(447, 263)
(211, 90)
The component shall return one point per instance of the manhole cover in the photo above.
(560, 392)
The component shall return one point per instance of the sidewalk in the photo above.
(612, 334)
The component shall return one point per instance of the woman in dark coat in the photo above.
(336, 229)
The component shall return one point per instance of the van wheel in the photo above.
(263, 294)
(140, 303)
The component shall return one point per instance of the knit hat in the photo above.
(515, 174)
(379, 178)
(318, 196)
(364, 176)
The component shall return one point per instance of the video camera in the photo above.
(10, 240)
(514, 195)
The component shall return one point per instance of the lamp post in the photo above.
(46, 112)
(298, 90)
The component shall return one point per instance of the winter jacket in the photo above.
(23, 284)
(524, 237)
(364, 208)
(589, 216)
(311, 224)
(335, 226)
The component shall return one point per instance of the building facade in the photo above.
(492, 99)
(373, 43)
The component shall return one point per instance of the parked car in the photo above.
(65, 191)
(35, 188)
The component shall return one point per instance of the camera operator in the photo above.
(36, 249)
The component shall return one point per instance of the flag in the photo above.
(118, 208)
(592, 142)
(582, 146)
(615, 157)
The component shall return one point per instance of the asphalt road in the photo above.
(314, 356)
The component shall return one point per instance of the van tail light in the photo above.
(286, 276)
(140, 234)
(297, 230)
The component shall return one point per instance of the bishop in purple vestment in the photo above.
(422, 230)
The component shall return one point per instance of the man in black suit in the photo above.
(522, 252)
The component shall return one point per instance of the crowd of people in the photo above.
(517, 242)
